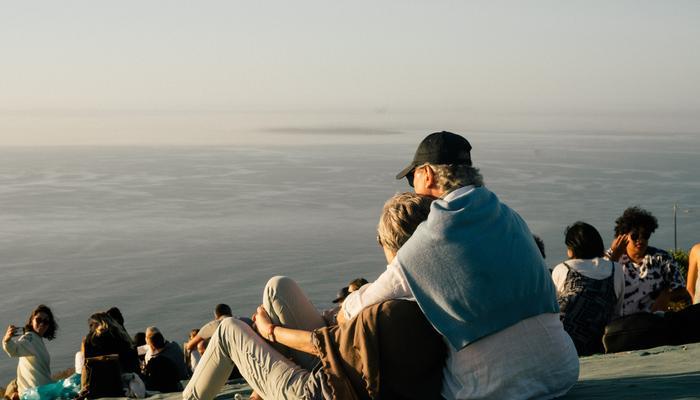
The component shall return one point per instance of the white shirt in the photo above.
(533, 358)
(390, 285)
(596, 268)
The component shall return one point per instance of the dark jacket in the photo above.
(173, 352)
(161, 374)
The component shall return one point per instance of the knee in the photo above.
(231, 325)
(279, 282)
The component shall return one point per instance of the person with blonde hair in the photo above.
(107, 336)
(294, 355)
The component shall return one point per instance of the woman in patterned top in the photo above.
(652, 278)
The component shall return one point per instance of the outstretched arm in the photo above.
(21, 347)
(192, 344)
(293, 338)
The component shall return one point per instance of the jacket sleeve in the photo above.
(22, 347)
(390, 285)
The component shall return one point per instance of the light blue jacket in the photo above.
(474, 267)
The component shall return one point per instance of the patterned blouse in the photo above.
(644, 282)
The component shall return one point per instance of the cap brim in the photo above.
(406, 171)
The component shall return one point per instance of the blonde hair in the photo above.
(401, 215)
(102, 324)
(452, 176)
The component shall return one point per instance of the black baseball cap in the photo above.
(440, 148)
(342, 294)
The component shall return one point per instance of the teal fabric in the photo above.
(474, 267)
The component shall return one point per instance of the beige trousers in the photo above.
(267, 370)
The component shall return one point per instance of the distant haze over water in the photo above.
(165, 233)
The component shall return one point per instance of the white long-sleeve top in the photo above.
(33, 368)
(533, 359)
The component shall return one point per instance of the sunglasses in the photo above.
(409, 177)
(40, 321)
(640, 235)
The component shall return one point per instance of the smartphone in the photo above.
(19, 331)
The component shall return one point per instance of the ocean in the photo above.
(165, 233)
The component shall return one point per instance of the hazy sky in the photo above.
(121, 72)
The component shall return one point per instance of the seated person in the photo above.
(479, 278)
(169, 350)
(693, 276)
(27, 344)
(192, 356)
(652, 278)
(589, 288)
(161, 373)
(140, 344)
(117, 316)
(330, 315)
(107, 337)
(294, 327)
(221, 311)
(356, 284)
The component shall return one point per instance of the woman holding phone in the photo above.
(27, 344)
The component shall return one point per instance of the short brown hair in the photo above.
(401, 215)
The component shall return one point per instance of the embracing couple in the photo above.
(465, 309)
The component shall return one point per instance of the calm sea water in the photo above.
(166, 233)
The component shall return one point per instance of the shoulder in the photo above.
(208, 329)
(660, 256)
(559, 274)
(30, 337)
(695, 249)
(653, 251)
(560, 268)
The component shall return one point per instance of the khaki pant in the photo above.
(267, 370)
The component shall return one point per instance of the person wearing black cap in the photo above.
(479, 278)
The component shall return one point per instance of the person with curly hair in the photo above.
(652, 278)
(33, 368)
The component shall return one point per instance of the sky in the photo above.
(212, 72)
